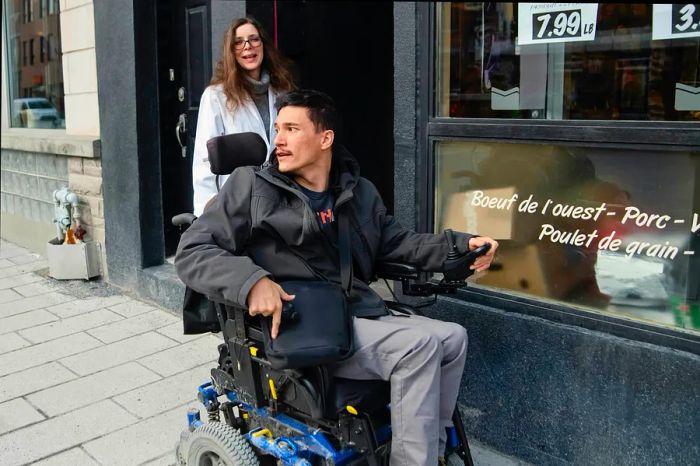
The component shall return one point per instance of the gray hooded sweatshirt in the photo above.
(261, 224)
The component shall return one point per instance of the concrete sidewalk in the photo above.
(88, 375)
(91, 376)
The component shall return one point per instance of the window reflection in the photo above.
(35, 74)
(620, 75)
(606, 229)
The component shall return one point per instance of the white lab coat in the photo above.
(216, 120)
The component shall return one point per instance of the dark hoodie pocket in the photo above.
(283, 216)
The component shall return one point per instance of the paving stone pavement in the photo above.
(88, 374)
(92, 376)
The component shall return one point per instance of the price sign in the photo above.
(676, 20)
(543, 23)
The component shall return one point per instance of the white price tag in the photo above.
(546, 23)
(675, 20)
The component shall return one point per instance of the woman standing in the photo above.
(249, 77)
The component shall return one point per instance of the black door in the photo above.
(184, 70)
(346, 50)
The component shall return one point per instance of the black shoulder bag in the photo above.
(317, 329)
(198, 314)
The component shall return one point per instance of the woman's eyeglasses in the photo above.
(254, 41)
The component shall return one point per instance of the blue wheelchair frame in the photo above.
(292, 451)
(300, 449)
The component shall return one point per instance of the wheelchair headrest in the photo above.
(228, 152)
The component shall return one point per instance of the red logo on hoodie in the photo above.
(326, 216)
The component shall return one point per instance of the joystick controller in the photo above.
(456, 265)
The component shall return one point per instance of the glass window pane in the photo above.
(613, 230)
(35, 74)
(484, 70)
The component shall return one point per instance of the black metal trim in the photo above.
(425, 54)
(637, 330)
(589, 144)
(681, 135)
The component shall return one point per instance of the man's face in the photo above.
(299, 145)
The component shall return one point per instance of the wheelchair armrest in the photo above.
(183, 219)
(396, 271)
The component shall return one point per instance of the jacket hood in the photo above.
(345, 170)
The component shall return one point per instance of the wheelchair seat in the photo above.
(313, 391)
(366, 396)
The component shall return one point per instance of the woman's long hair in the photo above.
(230, 74)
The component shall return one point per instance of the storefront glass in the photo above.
(606, 61)
(590, 224)
(608, 229)
(34, 64)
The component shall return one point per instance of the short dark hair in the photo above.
(322, 111)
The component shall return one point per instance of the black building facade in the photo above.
(582, 351)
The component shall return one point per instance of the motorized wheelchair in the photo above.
(259, 415)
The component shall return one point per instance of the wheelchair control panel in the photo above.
(456, 269)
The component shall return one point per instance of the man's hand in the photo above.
(483, 262)
(265, 298)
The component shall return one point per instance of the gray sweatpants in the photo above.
(423, 359)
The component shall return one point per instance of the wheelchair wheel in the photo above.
(217, 444)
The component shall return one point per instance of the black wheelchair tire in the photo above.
(220, 442)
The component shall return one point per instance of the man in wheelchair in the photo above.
(279, 223)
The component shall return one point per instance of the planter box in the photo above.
(73, 261)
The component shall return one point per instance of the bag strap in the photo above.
(345, 248)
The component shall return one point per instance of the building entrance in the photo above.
(184, 70)
(336, 47)
(346, 50)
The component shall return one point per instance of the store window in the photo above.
(612, 230)
(598, 225)
(607, 61)
(35, 84)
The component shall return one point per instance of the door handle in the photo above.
(181, 128)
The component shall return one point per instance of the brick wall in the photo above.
(85, 179)
(28, 182)
(79, 68)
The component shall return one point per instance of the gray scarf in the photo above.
(261, 98)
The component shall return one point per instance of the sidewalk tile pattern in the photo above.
(187, 356)
(27, 319)
(141, 442)
(165, 394)
(11, 342)
(59, 433)
(72, 457)
(32, 380)
(17, 413)
(82, 306)
(83, 391)
(35, 302)
(9, 295)
(133, 326)
(33, 289)
(72, 388)
(14, 269)
(117, 353)
(131, 308)
(45, 352)
(69, 326)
